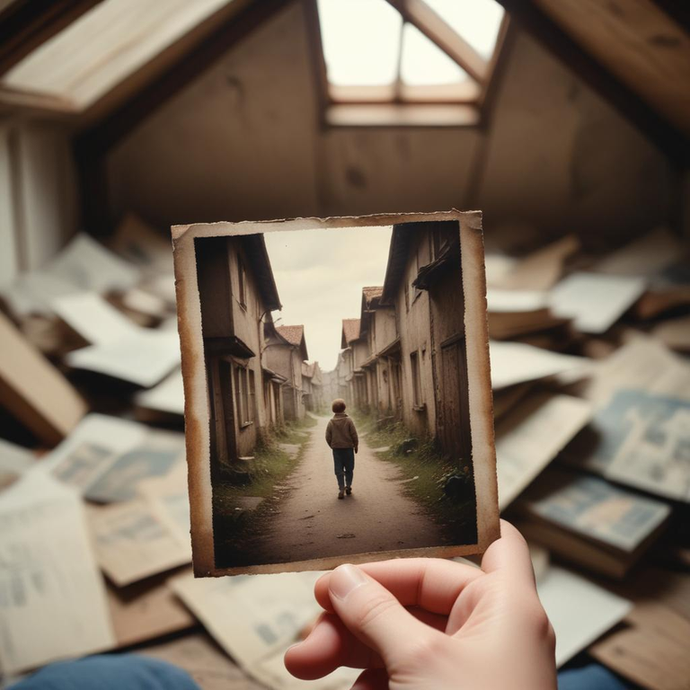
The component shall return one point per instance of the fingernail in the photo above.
(344, 579)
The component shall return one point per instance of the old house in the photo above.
(312, 386)
(382, 368)
(423, 283)
(355, 354)
(286, 350)
(237, 290)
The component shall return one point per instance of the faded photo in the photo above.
(339, 418)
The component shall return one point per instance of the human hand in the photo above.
(356, 450)
(429, 623)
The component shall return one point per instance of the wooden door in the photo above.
(454, 417)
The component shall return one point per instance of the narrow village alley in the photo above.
(312, 523)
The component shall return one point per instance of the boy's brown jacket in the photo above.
(341, 432)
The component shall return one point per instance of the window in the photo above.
(242, 277)
(245, 395)
(417, 401)
(406, 61)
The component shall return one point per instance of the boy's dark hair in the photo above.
(338, 405)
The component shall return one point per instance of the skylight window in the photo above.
(407, 53)
(423, 63)
(361, 41)
(104, 46)
(477, 21)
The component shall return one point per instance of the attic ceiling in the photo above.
(109, 63)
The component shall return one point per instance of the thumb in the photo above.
(374, 615)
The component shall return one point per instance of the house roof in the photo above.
(255, 248)
(350, 332)
(294, 336)
(371, 299)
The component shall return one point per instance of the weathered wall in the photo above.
(414, 329)
(243, 142)
(37, 194)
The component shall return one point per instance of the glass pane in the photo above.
(361, 41)
(477, 21)
(424, 63)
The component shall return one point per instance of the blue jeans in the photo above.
(134, 672)
(344, 463)
(109, 672)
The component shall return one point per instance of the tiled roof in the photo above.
(293, 334)
(350, 330)
(371, 293)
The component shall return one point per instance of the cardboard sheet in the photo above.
(33, 390)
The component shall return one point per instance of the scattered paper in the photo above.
(133, 541)
(531, 435)
(644, 257)
(14, 462)
(93, 318)
(513, 363)
(640, 431)
(52, 598)
(580, 611)
(595, 509)
(106, 458)
(167, 396)
(595, 302)
(83, 265)
(143, 359)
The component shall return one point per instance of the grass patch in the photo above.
(428, 472)
(235, 531)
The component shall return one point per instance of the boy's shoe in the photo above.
(341, 494)
(348, 490)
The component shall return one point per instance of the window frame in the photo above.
(384, 106)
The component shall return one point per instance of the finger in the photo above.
(510, 553)
(329, 645)
(372, 679)
(429, 583)
(374, 616)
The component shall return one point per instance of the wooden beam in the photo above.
(656, 128)
(678, 10)
(94, 142)
(26, 24)
(420, 15)
(638, 43)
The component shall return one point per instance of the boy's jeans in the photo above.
(344, 462)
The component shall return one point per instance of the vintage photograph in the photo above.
(338, 400)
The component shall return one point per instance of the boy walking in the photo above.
(341, 436)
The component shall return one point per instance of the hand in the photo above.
(423, 623)
(356, 450)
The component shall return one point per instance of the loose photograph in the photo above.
(337, 390)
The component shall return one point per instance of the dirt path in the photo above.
(311, 522)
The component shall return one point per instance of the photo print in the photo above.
(337, 391)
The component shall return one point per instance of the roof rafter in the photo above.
(421, 16)
(670, 140)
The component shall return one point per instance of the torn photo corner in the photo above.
(280, 320)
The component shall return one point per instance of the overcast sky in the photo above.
(320, 275)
